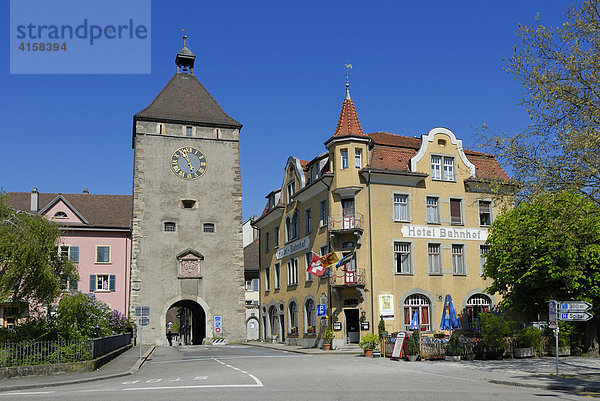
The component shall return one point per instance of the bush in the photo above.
(328, 336)
(81, 316)
(381, 326)
(454, 348)
(493, 331)
(413, 346)
(369, 341)
(529, 337)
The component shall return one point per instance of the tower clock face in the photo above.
(188, 163)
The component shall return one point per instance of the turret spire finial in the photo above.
(347, 74)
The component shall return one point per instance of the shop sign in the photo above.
(386, 306)
(292, 248)
(453, 233)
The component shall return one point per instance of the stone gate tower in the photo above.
(187, 257)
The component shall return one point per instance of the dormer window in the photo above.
(442, 168)
(60, 215)
(291, 190)
(271, 202)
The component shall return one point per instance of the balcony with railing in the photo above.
(346, 223)
(347, 278)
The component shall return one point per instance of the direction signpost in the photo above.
(142, 312)
(568, 311)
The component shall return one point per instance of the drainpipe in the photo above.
(371, 255)
(330, 323)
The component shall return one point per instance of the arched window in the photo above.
(293, 319)
(60, 215)
(311, 314)
(476, 305)
(273, 321)
(417, 303)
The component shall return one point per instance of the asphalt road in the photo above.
(254, 373)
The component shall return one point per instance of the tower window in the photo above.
(188, 203)
(209, 227)
(169, 227)
(188, 131)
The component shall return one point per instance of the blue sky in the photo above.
(278, 68)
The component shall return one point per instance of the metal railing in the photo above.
(347, 278)
(28, 353)
(44, 352)
(346, 222)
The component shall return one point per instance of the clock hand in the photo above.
(188, 161)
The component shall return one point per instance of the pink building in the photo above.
(96, 235)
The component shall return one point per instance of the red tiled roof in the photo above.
(393, 152)
(348, 123)
(387, 138)
(487, 167)
(390, 158)
(111, 211)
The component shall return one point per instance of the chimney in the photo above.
(85, 191)
(35, 200)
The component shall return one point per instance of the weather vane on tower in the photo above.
(347, 74)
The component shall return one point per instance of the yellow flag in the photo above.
(329, 259)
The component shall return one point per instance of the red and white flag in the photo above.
(316, 266)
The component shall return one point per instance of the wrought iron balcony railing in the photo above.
(350, 222)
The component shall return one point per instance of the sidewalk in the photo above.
(125, 364)
(576, 374)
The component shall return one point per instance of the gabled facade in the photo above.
(411, 213)
(96, 235)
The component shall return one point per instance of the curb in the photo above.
(131, 371)
(574, 388)
(316, 351)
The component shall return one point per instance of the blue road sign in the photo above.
(321, 310)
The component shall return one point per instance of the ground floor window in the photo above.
(476, 305)
(417, 303)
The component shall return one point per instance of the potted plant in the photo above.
(453, 350)
(381, 327)
(528, 339)
(310, 330)
(327, 337)
(413, 348)
(368, 343)
(294, 330)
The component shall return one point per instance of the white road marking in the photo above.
(200, 377)
(30, 393)
(199, 386)
(179, 379)
(153, 380)
(131, 382)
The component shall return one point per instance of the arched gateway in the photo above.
(186, 321)
(186, 245)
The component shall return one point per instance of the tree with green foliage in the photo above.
(546, 248)
(31, 268)
(560, 70)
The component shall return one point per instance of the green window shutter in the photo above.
(111, 282)
(92, 282)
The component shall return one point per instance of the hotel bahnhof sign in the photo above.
(453, 233)
(292, 248)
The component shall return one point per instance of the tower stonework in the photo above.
(187, 252)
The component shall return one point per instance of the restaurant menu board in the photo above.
(397, 352)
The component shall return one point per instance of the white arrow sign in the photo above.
(574, 306)
(576, 316)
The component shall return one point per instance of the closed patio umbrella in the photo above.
(414, 323)
(450, 320)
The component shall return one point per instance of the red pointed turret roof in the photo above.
(348, 123)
